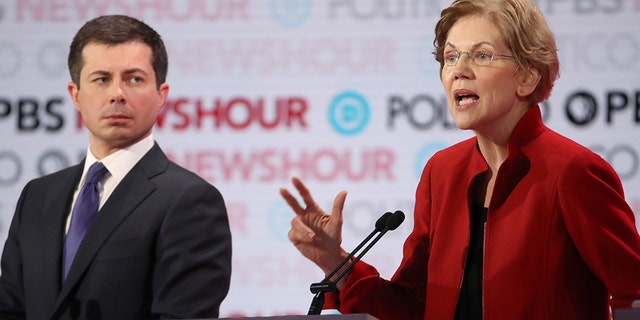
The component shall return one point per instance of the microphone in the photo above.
(387, 222)
(381, 223)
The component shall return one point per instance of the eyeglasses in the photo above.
(480, 58)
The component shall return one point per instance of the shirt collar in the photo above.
(120, 162)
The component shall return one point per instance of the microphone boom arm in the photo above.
(390, 222)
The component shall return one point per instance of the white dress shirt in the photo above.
(118, 163)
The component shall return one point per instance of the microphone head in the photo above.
(395, 220)
(382, 221)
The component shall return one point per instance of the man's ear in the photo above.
(163, 92)
(72, 87)
(528, 81)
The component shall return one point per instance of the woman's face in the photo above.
(482, 98)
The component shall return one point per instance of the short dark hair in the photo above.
(113, 30)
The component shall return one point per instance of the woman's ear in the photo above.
(529, 80)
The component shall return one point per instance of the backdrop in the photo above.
(342, 93)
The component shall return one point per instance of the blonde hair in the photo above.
(525, 31)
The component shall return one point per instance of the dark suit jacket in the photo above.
(159, 247)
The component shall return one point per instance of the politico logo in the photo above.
(349, 113)
(420, 112)
(383, 9)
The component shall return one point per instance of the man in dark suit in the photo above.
(160, 245)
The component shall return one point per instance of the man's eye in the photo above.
(135, 80)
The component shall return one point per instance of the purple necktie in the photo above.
(83, 213)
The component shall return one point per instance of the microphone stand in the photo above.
(390, 222)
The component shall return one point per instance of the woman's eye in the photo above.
(451, 57)
(483, 56)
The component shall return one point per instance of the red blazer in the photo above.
(559, 239)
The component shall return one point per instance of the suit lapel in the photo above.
(57, 200)
(132, 190)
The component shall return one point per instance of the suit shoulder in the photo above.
(57, 176)
(182, 175)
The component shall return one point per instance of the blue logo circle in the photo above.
(279, 220)
(349, 113)
(425, 154)
(290, 13)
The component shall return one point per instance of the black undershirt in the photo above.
(469, 305)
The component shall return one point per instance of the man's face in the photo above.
(117, 97)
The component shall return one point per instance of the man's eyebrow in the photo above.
(135, 70)
(100, 73)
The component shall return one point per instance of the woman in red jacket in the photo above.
(544, 233)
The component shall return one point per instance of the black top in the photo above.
(470, 301)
